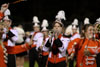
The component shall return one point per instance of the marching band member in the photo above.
(75, 30)
(75, 34)
(83, 47)
(57, 45)
(37, 37)
(45, 31)
(4, 7)
(5, 49)
(68, 34)
(97, 36)
(20, 41)
(11, 36)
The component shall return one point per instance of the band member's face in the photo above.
(74, 30)
(57, 28)
(7, 23)
(45, 33)
(1, 31)
(36, 28)
(89, 32)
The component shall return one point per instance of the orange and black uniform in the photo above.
(33, 53)
(78, 46)
(44, 54)
(74, 36)
(57, 51)
(11, 50)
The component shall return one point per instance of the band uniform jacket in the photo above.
(61, 55)
(37, 39)
(78, 46)
(11, 50)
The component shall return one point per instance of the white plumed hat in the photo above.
(61, 15)
(98, 20)
(36, 21)
(7, 12)
(86, 21)
(44, 25)
(75, 23)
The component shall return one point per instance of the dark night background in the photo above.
(23, 12)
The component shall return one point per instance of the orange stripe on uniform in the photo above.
(45, 53)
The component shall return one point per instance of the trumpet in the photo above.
(54, 33)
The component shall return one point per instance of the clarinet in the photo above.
(41, 48)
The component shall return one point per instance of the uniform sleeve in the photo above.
(46, 45)
(13, 35)
(17, 49)
(27, 40)
(39, 42)
(1, 15)
(72, 45)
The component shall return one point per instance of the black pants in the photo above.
(60, 64)
(98, 60)
(33, 56)
(71, 63)
(43, 61)
(11, 60)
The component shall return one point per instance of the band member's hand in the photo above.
(71, 56)
(40, 47)
(30, 43)
(4, 7)
(27, 34)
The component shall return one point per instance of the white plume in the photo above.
(7, 12)
(86, 21)
(98, 20)
(35, 19)
(45, 23)
(75, 22)
(61, 15)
